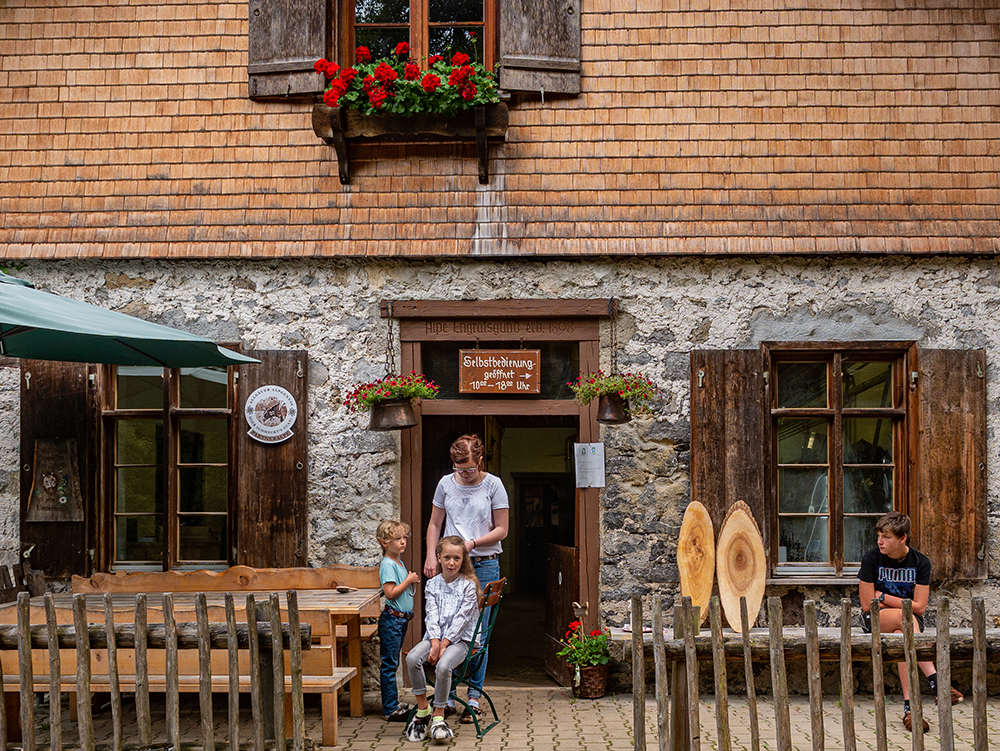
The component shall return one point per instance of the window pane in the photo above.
(802, 441)
(380, 42)
(803, 539)
(801, 384)
(139, 490)
(868, 384)
(859, 536)
(204, 388)
(204, 441)
(867, 440)
(139, 387)
(560, 364)
(381, 11)
(446, 41)
(454, 11)
(139, 539)
(802, 491)
(202, 538)
(204, 489)
(868, 490)
(139, 441)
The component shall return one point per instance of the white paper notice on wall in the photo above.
(589, 464)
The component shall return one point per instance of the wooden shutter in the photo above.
(950, 519)
(540, 45)
(286, 38)
(58, 405)
(728, 455)
(271, 513)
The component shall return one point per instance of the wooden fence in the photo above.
(267, 675)
(676, 670)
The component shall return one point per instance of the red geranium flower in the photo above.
(362, 55)
(331, 97)
(430, 83)
(434, 59)
(385, 73)
(460, 75)
(402, 49)
(411, 71)
(468, 90)
(459, 58)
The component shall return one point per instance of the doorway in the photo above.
(532, 455)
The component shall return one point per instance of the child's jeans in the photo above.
(453, 656)
(391, 630)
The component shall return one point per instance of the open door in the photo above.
(562, 587)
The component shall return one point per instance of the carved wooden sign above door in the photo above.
(499, 371)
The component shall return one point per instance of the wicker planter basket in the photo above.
(589, 681)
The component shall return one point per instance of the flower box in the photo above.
(339, 127)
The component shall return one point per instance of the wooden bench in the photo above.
(248, 579)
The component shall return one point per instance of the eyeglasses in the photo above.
(468, 471)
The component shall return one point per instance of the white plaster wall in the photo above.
(669, 307)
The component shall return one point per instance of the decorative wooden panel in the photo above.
(540, 45)
(285, 40)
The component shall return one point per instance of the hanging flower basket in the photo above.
(619, 394)
(391, 400)
(612, 409)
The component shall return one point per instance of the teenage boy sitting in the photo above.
(891, 573)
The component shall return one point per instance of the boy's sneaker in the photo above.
(440, 730)
(400, 714)
(908, 722)
(416, 730)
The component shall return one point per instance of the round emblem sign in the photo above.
(270, 413)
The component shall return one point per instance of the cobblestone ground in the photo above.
(541, 719)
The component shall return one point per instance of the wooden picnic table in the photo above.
(322, 609)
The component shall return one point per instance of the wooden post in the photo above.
(295, 657)
(117, 739)
(660, 666)
(27, 674)
(142, 714)
(815, 684)
(204, 673)
(847, 677)
(719, 665)
(277, 669)
(255, 677)
(944, 675)
(638, 678)
(55, 670)
(779, 681)
(234, 673)
(172, 671)
(680, 737)
(878, 678)
(979, 729)
(691, 627)
(748, 669)
(913, 675)
(84, 718)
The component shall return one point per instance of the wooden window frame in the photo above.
(902, 356)
(171, 414)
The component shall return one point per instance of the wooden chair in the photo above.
(489, 607)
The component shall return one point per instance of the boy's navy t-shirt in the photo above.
(895, 578)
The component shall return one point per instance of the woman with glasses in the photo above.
(472, 504)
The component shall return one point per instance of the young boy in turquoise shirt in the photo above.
(398, 586)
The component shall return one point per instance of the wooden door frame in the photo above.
(501, 320)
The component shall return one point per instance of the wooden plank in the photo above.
(638, 678)
(204, 674)
(173, 699)
(142, 713)
(724, 742)
(512, 406)
(500, 308)
(815, 684)
(947, 731)
(233, 579)
(878, 678)
(55, 691)
(188, 684)
(980, 728)
(26, 673)
(500, 330)
(680, 738)
(748, 672)
(278, 668)
(85, 721)
(779, 682)
(117, 738)
(295, 675)
(692, 618)
(847, 678)
(913, 674)
(661, 677)
(255, 688)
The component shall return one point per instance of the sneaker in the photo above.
(449, 711)
(956, 696)
(401, 713)
(440, 730)
(416, 730)
(466, 718)
(908, 722)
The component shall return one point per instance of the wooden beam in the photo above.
(499, 407)
(496, 308)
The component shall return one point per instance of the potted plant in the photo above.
(588, 655)
(620, 394)
(390, 399)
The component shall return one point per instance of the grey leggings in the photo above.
(453, 656)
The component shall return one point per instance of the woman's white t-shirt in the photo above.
(469, 508)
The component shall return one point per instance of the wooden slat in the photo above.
(815, 684)
(719, 665)
(748, 672)
(569, 308)
(117, 738)
(234, 673)
(189, 684)
(779, 682)
(501, 330)
(692, 619)
(143, 716)
(255, 687)
(662, 677)
(278, 669)
(233, 579)
(26, 673)
(638, 678)
(85, 720)
(913, 674)
(979, 719)
(295, 676)
(204, 674)
(680, 737)
(847, 678)
(944, 676)
(878, 678)
(55, 693)
(172, 699)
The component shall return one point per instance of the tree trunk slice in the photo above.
(742, 566)
(696, 556)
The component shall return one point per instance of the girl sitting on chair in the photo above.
(451, 604)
